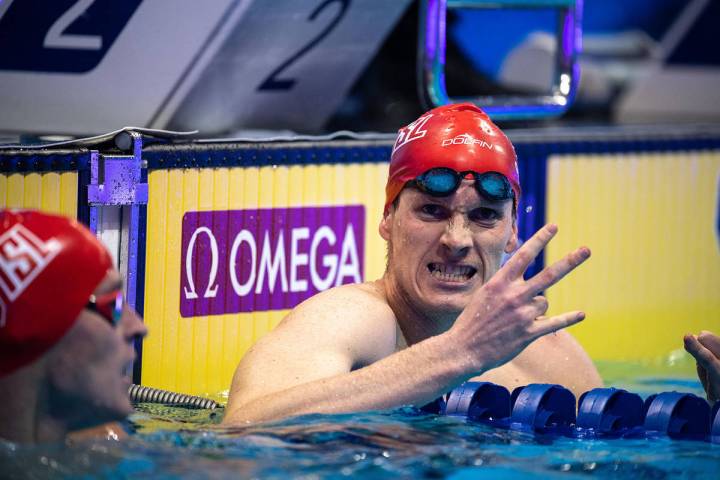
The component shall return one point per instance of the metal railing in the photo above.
(565, 78)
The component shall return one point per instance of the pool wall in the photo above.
(234, 233)
(47, 182)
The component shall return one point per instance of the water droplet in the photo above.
(676, 356)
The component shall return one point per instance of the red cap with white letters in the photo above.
(49, 267)
(457, 136)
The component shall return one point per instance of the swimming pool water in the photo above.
(171, 443)
(402, 443)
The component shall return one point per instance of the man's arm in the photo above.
(329, 334)
(415, 375)
(504, 316)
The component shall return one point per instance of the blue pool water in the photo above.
(403, 443)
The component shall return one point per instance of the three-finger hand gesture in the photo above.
(508, 312)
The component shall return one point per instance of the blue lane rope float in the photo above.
(678, 415)
(479, 401)
(610, 412)
(542, 408)
(715, 431)
(546, 409)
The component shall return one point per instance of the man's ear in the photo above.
(386, 223)
(512, 243)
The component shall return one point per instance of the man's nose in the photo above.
(132, 325)
(457, 238)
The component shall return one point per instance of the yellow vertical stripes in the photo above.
(262, 320)
(53, 192)
(199, 354)
(218, 331)
(650, 221)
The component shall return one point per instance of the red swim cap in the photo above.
(458, 136)
(49, 267)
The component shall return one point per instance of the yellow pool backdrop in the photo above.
(649, 219)
(53, 192)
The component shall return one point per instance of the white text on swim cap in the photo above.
(412, 132)
(466, 139)
(22, 257)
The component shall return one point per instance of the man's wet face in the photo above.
(89, 364)
(441, 249)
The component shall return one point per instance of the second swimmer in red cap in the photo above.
(445, 311)
(65, 335)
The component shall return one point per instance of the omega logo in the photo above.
(294, 256)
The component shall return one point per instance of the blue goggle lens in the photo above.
(440, 182)
(495, 186)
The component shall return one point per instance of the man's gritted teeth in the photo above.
(451, 273)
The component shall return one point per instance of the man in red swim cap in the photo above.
(445, 311)
(65, 335)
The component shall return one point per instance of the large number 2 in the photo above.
(273, 83)
(55, 37)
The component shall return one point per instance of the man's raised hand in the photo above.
(508, 312)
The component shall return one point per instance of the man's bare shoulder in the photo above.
(356, 316)
(365, 300)
(559, 343)
(561, 356)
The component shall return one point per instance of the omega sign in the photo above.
(267, 259)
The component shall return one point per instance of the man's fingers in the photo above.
(708, 365)
(540, 304)
(555, 272)
(702, 375)
(519, 262)
(710, 341)
(704, 357)
(545, 325)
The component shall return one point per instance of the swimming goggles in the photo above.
(108, 305)
(441, 182)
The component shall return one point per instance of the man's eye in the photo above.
(484, 214)
(432, 210)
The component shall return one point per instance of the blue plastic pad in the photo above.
(715, 429)
(543, 408)
(677, 415)
(480, 401)
(609, 411)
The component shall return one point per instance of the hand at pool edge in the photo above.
(705, 348)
